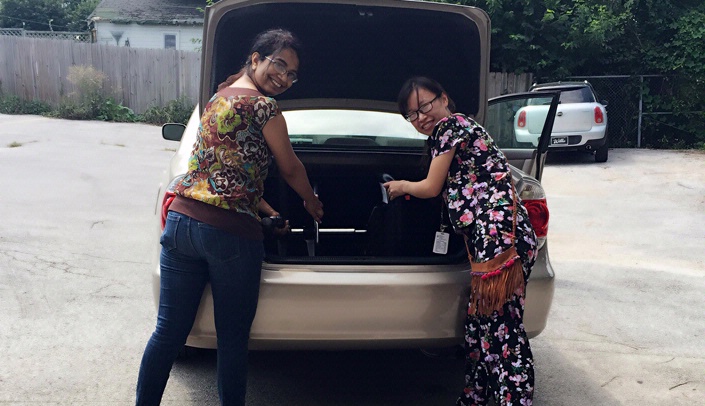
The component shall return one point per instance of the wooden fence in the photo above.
(504, 83)
(36, 69)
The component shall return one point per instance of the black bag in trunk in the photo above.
(406, 226)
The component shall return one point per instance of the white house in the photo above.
(176, 24)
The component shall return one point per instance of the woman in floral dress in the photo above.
(476, 182)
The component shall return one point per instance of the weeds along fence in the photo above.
(37, 69)
(138, 78)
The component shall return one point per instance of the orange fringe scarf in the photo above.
(495, 281)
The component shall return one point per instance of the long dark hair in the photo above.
(412, 85)
(268, 42)
(423, 82)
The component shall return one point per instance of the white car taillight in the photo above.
(169, 196)
(521, 120)
(534, 199)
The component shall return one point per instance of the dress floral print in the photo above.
(230, 157)
(499, 363)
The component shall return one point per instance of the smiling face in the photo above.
(267, 77)
(428, 107)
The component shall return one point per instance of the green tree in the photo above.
(550, 37)
(78, 12)
(46, 15)
(558, 38)
(671, 36)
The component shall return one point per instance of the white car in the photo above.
(580, 124)
(367, 277)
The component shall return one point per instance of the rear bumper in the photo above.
(339, 308)
(590, 140)
(587, 140)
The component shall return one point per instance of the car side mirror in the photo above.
(173, 131)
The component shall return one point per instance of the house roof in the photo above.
(149, 11)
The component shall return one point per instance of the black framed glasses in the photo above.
(282, 70)
(424, 108)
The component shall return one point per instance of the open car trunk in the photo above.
(360, 224)
(356, 55)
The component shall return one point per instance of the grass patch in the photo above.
(14, 144)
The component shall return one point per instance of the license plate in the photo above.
(559, 141)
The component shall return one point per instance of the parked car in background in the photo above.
(366, 277)
(580, 124)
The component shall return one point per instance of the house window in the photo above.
(169, 41)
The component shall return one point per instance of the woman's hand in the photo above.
(314, 207)
(426, 188)
(282, 231)
(268, 211)
(395, 188)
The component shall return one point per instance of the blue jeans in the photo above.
(194, 253)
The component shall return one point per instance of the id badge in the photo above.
(440, 245)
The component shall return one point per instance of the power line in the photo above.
(32, 21)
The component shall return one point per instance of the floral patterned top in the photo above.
(479, 191)
(230, 157)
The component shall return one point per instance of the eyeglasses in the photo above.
(424, 108)
(282, 70)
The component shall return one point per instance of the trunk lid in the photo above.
(574, 118)
(356, 54)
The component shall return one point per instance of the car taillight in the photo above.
(521, 120)
(538, 215)
(169, 196)
(599, 117)
(534, 199)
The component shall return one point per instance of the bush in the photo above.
(89, 82)
(72, 110)
(10, 104)
(89, 101)
(176, 111)
(113, 111)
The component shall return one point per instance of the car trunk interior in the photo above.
(357, 56)
(360, 225)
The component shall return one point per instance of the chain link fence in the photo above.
(652, 111)
(75, 36)
(673, 114)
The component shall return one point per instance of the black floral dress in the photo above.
(480, 198)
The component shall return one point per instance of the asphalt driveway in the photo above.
(77, 234)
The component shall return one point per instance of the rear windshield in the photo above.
(351, 128)
(582, 95)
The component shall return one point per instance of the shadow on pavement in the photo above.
(377, 378)
(312, 378)
(570, 157)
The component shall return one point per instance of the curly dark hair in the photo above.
(266, 43)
